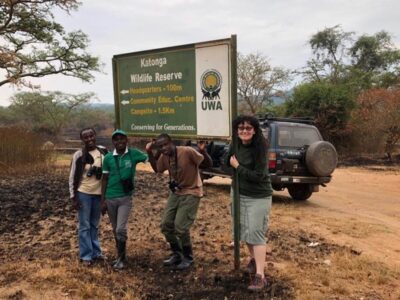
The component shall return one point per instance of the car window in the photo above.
(296, 136)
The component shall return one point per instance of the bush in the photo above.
(329, 105)
(375, 121)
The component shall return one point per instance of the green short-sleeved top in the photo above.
(127, 168)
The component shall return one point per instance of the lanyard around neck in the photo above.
(176, 165)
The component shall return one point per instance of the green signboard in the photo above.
(184, 91)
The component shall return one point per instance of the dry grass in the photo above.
(21, 152)
(62, 159)
(66, 279)
(362, 268)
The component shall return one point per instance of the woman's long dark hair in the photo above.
(258, 142)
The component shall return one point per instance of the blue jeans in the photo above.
(89, 218)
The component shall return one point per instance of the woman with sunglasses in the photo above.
(251, 164)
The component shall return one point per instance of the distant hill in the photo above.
(278, 100)
(109, 107)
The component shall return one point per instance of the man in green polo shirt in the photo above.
(117, 188)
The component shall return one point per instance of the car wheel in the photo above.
(277, 187)
(321, 158)
(300, 192)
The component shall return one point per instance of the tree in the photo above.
(376, 120)
(363, 62)
(328, 104)
(377, 58)
(6, 116)
(97, 118)
(258, 82)
(342, 67)
(329, 48)
(48, 112)
(33, 44)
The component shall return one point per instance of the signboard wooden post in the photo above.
(187, 91)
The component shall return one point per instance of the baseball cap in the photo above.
(119, 131)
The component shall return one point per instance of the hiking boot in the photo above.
(258, 283)
(251, 266)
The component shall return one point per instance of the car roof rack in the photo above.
(268, 117)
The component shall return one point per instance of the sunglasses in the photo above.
(247, 128)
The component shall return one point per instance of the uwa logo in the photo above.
(211, 82)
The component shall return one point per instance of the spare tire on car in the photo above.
(321, 158)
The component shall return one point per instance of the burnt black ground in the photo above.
(38, 223)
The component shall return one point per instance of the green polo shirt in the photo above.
(127, 168)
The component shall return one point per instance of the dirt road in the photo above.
(360, 208)
(343, 243)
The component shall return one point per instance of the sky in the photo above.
(278, 29)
